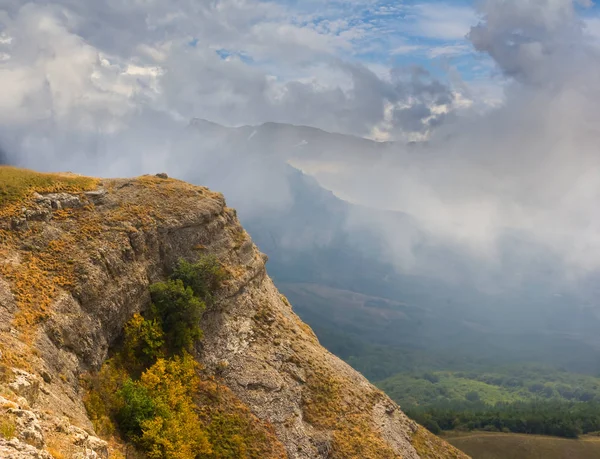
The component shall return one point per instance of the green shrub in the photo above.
(137, 407)
(204, 277)
(432, 378)
(432, 426)
(103, 399)
(179, 312)
(473, 396)
(148, 388)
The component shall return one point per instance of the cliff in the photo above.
(77, 257)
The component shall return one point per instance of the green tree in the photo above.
(137, 407)
(432, 426)
(432, 378)
(144, 341)
(175, 430)
(204, 277)
(150, 386)
(473, 396)
(179, 312)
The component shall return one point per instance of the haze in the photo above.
(488, 110)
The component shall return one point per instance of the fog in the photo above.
(110, 88)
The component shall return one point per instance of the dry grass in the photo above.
(239, 237)
(36, 280)
(48, 267)
(233, 430)
(8, 427)
(6, 374)
(56, 453)
(430, 446)
(60, 446)
(325, 406)
(17, 184)
(330, 403)
(481, 445)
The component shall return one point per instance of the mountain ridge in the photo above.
(88, 250)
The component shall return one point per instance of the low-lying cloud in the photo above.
(530, 165)
(91, 71)
(107, 88)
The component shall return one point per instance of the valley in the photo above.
(513, 446)
(451, 352)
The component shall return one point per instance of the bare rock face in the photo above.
(16, 449)
(75, 267)
(25, 385)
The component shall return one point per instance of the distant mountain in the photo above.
(288, 142)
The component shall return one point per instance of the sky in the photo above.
(341, 65)
(234, 61)
(503, 92)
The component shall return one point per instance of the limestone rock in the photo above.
(93, 446)
(16, 449)
(63, 200)
(28, 427)
(25, 385)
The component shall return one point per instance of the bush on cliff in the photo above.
(146, 391)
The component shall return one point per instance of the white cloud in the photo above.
(103, 66)
(592, 27)
(448, 50)
(526, 167)
(433, 51)
(439, 20)
(408, 49)
(105, 87)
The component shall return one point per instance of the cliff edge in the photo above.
(77, 257)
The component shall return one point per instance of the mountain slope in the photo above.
(77, 258)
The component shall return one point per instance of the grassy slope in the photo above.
(414, 390)
(506, 384)
(480, 445)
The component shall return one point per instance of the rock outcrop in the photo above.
(75, 266)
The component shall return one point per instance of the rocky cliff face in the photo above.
(75, 266)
